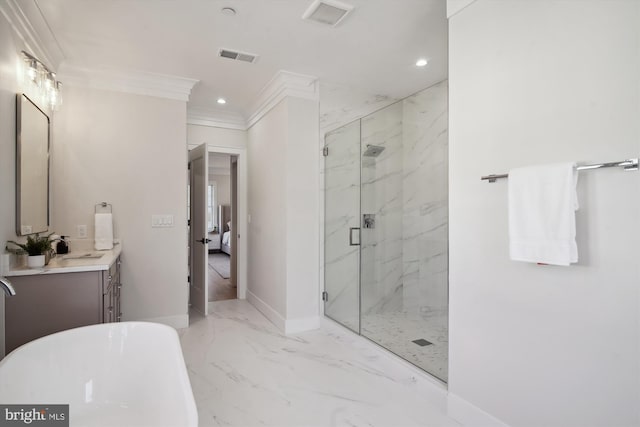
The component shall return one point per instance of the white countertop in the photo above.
(65, 264)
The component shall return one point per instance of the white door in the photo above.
(199, 180)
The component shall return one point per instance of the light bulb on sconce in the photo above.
(32, 71)
(49, 81)
(55, 96)
(40, 82)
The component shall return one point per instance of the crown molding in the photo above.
(215, 118)
(28, 22)
(283, 84)
(455, 6)
(136, 82)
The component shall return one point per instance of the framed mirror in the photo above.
(32, 167)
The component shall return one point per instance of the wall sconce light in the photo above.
(42, 82)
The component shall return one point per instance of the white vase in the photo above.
(35, 261)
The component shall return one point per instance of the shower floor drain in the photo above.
(422, 342)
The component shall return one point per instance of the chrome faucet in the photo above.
(7, 287)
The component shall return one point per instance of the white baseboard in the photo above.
(468, 414)
(288, 326)
(293, 326)
(180, 321)
(264, 308)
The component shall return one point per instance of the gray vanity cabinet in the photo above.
(49, 303)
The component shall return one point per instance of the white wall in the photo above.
(232, 138)
(283, 205)
(267, 200)
(303, 292)
(223, 186)
(128, 150)
(538, 82)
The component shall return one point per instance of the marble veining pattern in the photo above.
(341, 104)
(245, 373)
(381, 195)
(425, 200)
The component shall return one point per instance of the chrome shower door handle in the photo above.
(352, 241)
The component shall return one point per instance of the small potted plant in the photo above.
(38, 248)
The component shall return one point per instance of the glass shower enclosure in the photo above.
(386, 228)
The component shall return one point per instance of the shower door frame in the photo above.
(327, 294)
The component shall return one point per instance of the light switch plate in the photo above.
(81, 231)
(161, 221)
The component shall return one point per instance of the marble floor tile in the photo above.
(245, 373)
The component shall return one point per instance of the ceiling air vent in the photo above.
(329, 12)
(238, 56)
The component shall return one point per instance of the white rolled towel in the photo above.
(103, 231)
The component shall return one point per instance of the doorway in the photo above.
(221, 210)
(217, 202)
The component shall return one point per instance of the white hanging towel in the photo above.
(103, 231)
(542, 220)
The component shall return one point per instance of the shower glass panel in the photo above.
(404, 259)
(396, 191)
(342, 217)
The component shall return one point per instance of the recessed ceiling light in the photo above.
(421, 62)
(229, 11)
(222, 101)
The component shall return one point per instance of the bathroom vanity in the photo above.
(77, 289)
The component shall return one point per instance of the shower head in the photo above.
(373, 151)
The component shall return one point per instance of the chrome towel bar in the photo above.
(628, 165)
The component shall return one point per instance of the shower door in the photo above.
(386, 184)
(342, 216)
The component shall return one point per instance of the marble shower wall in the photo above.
(404, 258)
(340, 105)
(425, 201)
(381, 196)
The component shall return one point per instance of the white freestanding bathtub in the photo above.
(114, 374)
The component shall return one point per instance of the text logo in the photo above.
(34, 415)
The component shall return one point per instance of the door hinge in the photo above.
(189, 279)
(325, 151)
(188, 222)
(325, 296)
(189, 166)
